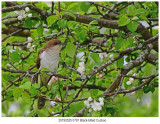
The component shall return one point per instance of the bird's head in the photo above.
(55, 44)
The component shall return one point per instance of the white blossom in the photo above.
(30, 15)
(81, 64)
(44, 25)
(133, 93)
(96, 106)
(111, 56)
(29, 39)
(129, 82)
(34, 46)
(20, 13)
(102, 55)
(46, 30)
(138, 100)
(52, 103)
(101, 99)
(131, 79)
(101, 103)
(89, 98)
(29, 45)
(86, 103)
(24, 15)
(99, 108)
(27, 9)
(81, 68)
(134, 74)
(19, 17)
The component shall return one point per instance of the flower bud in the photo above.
(27, 9)
(30, 15)
(29, 45)
(29, 39)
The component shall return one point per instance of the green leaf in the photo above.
(43, 89)
(36, 85)
(120, 62)
(95, 57)
(26, 85)
(33, 91)
(17, 92)
(93, 28)
(62, 23)
(31, 114)
(3, 4)
(26, 97)
(3, 26)
(15, 57)
(95, 114)
(9, 94)
(70, 14)
(93, 22)
(28, 23)
(70, 49)
(63, 54)
(40, 30)
(124, 20)
(146, 89)
(94, 93)
(77, 83)
(81, 34)
(132, 26)
(74, 76)
(52, 19)
(75, 107)
(152, 89)
(71, 24)
(54, 88)
(120, 43)
(84, 6)
(131, 9)
(135, 18)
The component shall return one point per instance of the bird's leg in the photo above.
(35, 77)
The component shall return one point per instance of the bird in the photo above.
(48, 57)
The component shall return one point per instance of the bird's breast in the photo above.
(49, 59)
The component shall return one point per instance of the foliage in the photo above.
(109, 53)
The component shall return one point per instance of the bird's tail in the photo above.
(44, 81)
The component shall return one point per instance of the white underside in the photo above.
(49, 59)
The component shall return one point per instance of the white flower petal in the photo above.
(29, 39)
(89, 98)
(81, 64)
(27, 9)
(29, 45)
(20, 17)
(30, 15)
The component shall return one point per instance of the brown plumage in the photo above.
(49, 44)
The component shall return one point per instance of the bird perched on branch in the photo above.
(48, 57)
